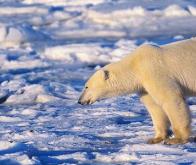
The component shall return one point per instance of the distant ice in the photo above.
(175, 11)
(29, 94)
(192, 10)
(64, 2)
(14, 36)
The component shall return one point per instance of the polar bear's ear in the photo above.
(106, 74)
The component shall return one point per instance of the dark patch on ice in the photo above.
(9, 162)
(50, 160)
(191, 149)
(48, 156)
(25, 70)
(12, 57)
(3, 99)
(128, 120)
(56, 8)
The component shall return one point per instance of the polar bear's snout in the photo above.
(80, 100)
(85, 99)
(83, 102)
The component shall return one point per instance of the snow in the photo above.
(175, 11)
(22, 10)
(78, 52)
(48, 49)
(64, 2)
(15, 36)
(192, 10)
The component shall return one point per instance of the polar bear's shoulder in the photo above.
(144, 55)
(147, 50)
(149, 47)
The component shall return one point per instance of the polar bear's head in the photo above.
(96, 88)
(112, 80)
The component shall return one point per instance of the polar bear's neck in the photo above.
(122, 79)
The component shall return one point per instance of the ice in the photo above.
(18, 35)
(79, 156)
(26, 64)
(119, 158)
(175, 11)
(18, 159)
(78, 52)
(5, 145)
(48, 49)
(192, 10)
(178, 37)
(3, 32)
(117, 18)
(64, 2)
(44, 98)
(29, 94)
(89, 53)
(22, 10)
(13, 85)
(29, 112)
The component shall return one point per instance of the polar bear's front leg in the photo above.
(179, 115)
(159, 119)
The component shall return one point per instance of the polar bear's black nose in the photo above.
(86, 102)
(79, 102)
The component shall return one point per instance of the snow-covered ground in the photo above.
(48, 48)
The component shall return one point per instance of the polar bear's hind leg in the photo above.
(170, 98)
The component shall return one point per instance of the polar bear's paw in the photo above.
(175, 141)
(155, 140)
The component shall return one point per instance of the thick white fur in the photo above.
(163, 76)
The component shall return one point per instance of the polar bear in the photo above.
(162, 76)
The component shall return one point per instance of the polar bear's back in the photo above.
(185, 46)
(181, 54)
(180, 59)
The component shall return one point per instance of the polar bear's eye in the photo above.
(86, 87)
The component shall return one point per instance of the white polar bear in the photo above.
(162, 76)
